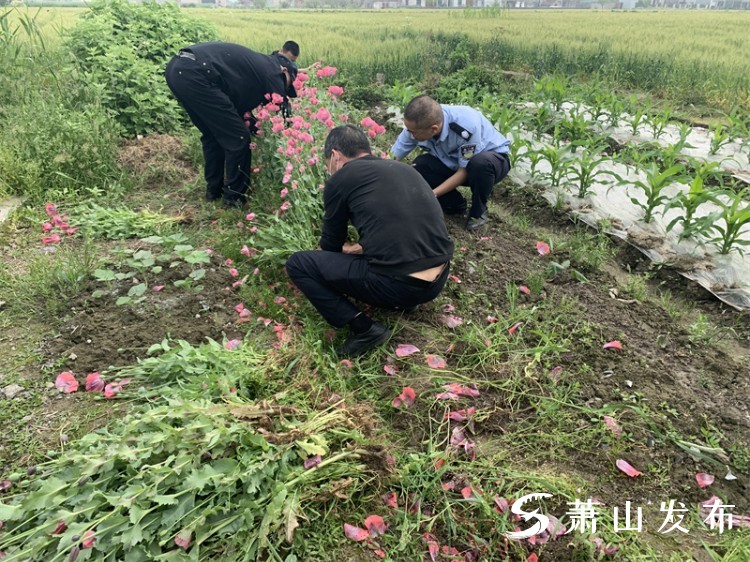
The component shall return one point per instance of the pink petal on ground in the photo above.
(239, 308)
(448, 308)
(491, 320)
(279, 300)
(542, 248)
(612, 424)
(433, 548)
(450, 485)
(467, 492)
(183, 539)
(532, 557)
(555, 528)
(454, 278)
(346, 363)
(54, 239)
(391, 500)
(157, 288)
(704, 480)
(514, 327)
(355, 533)
(447, 396)
(379, 553)
(524, 289)
(390, 369)
(612, 345)
(46, 227)
(250, 216)
(66, 382)
(313, 461)
(51, 209)
(375, 525)
(554, 374)
(627, 468)
(231, 345)
(462, 390)
(450, 320)
(436, 362)
(406, 349)
(407, 397)
(501, 504)
(234, 273)
(457, 436)
(94, 382)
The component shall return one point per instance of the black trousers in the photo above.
(225, 138)
(484, 171)
(327, 278)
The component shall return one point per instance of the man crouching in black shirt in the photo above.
(404, 250)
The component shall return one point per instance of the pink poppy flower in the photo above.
(47, 226)
(183, 539)
(94, 382)
(53, 239)
(112, 389)
(88, 539)
(355, 533)
(335, 91)
(284, 192)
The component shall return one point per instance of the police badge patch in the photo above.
(467, 151)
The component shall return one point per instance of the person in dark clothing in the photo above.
(404, 250)
(217, 83)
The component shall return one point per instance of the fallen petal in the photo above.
(524, 289)
(390, 499)
(612, 424)
(231, 345)
(313, 461)
(390, 369)
(436, 362)
(451, 321)
(627, 468)
(514, 327)
(355, 533)
(612, 345)
(704, 480)
(542, 248)
(406, 349)
(375, 525)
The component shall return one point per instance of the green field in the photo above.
(697, 57)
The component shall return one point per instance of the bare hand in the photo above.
(349, 248)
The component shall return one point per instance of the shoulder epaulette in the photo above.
(460, 131)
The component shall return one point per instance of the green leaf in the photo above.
(198, 274)
(122, 300)
(104, 275)
(97, 294)
(137, 290)
(156, 270)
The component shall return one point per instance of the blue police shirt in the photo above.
(451, 147)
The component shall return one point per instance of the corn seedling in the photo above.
(574, 128)
(559, 159)
(615, 108)
(637, 117)
(584, 169)
(553, 89)
(653, 187)
(719, 137)
(736, 216)
(689, 201)
(659, 122)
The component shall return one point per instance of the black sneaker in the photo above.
(475, 223)
(357, 344)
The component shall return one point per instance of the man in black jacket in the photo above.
(403, 253)
(217, 83)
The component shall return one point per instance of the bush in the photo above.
(123, 49)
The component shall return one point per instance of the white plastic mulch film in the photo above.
(608, 202)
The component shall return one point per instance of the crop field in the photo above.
(167, 394)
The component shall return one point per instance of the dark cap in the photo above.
(292, 69)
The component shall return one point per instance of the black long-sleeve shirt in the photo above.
(245, 76)
(399, 220)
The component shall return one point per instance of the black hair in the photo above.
(349, 140)
(423, 111)
(291, 47)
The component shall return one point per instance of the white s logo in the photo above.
(542, 521)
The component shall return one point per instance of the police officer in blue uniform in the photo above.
(463, 148)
